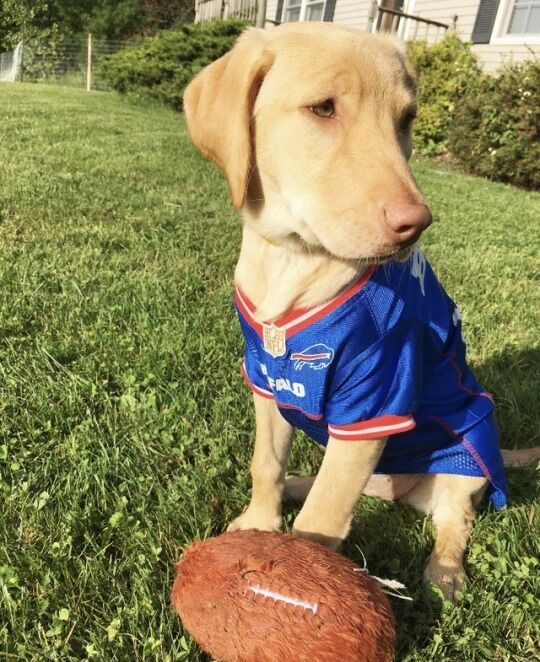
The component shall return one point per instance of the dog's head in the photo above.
(311, 124)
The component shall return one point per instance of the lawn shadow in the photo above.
(389, 539)
(392, 536)
(513, 378)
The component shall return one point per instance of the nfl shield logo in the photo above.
(274, 339)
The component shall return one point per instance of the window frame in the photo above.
(500, 34)
(303, 10)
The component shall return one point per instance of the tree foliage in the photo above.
(22, 18)
(106, 19)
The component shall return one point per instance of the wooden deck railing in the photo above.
(409, 26)
(210, 10)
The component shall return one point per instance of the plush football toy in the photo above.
(254, 596)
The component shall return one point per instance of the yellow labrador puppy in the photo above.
(348, 334)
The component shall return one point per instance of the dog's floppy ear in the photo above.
(218, 104)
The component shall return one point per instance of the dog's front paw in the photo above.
(449, 577)
(329, 531)
(253, 518)
(328, 541)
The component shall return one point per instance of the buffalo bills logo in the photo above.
(316, 357)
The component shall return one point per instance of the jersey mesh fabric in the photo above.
(385, 358)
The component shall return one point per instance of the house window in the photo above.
(314, 11)
(292, 10)
(507, 22)
(303, 10)
(525, 17)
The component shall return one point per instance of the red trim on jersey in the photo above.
(245, 307)
(383, 426)
(270, 396)
(305, 316)
(472, 450)
(468, 445)
(256, 389)
(298, 356)
(313, 417)
(330, 306)
(459, 375)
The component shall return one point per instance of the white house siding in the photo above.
(353, 13)
(490, 56)
(444, 11)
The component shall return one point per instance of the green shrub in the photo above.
(163, 65)
(445, 72)
(497, 128)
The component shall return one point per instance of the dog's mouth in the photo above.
(400, 252)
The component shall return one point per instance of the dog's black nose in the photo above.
(406, 220)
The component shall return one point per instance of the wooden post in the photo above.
(261, 14)
(23, 39)
(89, 64)
(21, 65)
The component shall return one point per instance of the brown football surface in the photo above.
(254, 596)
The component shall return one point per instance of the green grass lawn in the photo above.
(125, 427)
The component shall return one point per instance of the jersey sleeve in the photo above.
(374, 394)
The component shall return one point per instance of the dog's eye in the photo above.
(325, 109)
(407, 119)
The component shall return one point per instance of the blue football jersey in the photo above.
(385, 358)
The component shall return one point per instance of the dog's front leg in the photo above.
(328, 510)
(272, 444)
